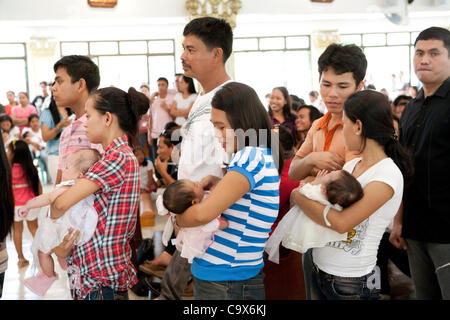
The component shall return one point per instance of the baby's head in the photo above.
(340, 187)
(182, 194)
(140, 156)
(78, 163)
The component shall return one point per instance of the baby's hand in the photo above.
(23, 212)
(321, 174)
(209, 182)
(223, 223)
(301, 184)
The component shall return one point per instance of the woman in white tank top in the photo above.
(344, 270)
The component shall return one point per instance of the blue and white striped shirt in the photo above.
(237, 251)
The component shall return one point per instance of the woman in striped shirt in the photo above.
(247, 196)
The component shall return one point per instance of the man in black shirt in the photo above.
(425, 131)
(38, 101)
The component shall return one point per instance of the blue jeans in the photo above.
(2, 278)
(251, 289)
(307, 264)
(325, 286)
(106, 293)
(430, 269)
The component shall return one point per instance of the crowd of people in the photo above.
(289, 201)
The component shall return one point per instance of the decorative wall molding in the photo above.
(224, 9)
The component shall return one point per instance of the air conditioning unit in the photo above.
(395, 11)
(439, 3)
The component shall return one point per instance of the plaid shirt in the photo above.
(105, 259)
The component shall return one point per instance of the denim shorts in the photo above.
(106, 293)
(325, 286)
(250, 289)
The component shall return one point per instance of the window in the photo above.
(14, 70)
(79, 48)
(389, 68)
(128, 63)
(122, 71)
(389, 57)
(267, 62)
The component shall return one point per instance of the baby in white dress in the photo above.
(296, 231)
(82, 216)
(177, 198)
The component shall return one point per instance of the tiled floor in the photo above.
(13, 287)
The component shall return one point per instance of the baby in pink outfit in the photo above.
(191, 242)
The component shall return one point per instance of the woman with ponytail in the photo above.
(102, 267)
(344, 270)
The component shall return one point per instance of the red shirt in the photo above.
(8, 109)
(106, 258)
(21, 187)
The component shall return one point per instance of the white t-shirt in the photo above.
(201, 152)
(143, 171)
(357, 256)
(183, 104)
(35, 137)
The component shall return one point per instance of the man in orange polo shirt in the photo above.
(342, 69)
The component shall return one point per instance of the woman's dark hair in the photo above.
(296, 103)
(5, 117)
(78, 67)
(342, 59)
(287, 107)
(24, 93)
(171, 126)
(373, 110)
(22, 155)
(145, 162)
(177, 198)
(286, 140)
(32, 116)
(314, 113)
(245, 112)
(163, 79)
(190, 82)
(344, 191)
(55, 114)
(128, 107)
(172, 130)
(213, 32)
(6, 196)
(401, 97)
